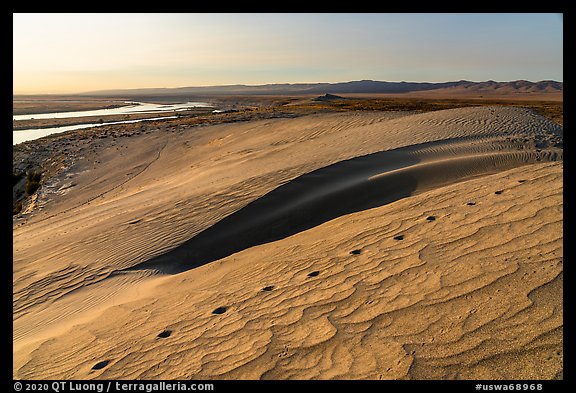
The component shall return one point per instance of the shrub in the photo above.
(32, 182)
(33, 177)
(31, 187)
(16, 208)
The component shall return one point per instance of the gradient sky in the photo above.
(70, 53)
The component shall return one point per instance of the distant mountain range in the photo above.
(353, 87)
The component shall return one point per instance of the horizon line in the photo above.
(279, 83)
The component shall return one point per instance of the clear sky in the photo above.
(68, 53)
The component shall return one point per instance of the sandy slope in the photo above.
(459, 296)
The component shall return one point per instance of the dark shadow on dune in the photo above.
(303, 203)
(342, 188)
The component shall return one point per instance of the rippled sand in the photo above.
(351, 245)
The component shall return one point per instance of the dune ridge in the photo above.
(331, 286)
(345, 187)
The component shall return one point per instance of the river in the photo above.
(19, 136)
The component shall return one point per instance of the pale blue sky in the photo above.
(59, 53)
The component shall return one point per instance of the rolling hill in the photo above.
(352, 87)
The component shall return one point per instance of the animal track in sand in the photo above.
(100, 365)
(165, 334)
(283, 353)
(220, 310)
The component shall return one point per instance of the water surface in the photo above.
(132, 108)
(19, 136)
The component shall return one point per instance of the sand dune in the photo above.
(352, 245)
(345, 187)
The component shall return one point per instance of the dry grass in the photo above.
(550, 109)
(257, 107)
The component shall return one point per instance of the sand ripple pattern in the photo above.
(379, 293)
(475, 293)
